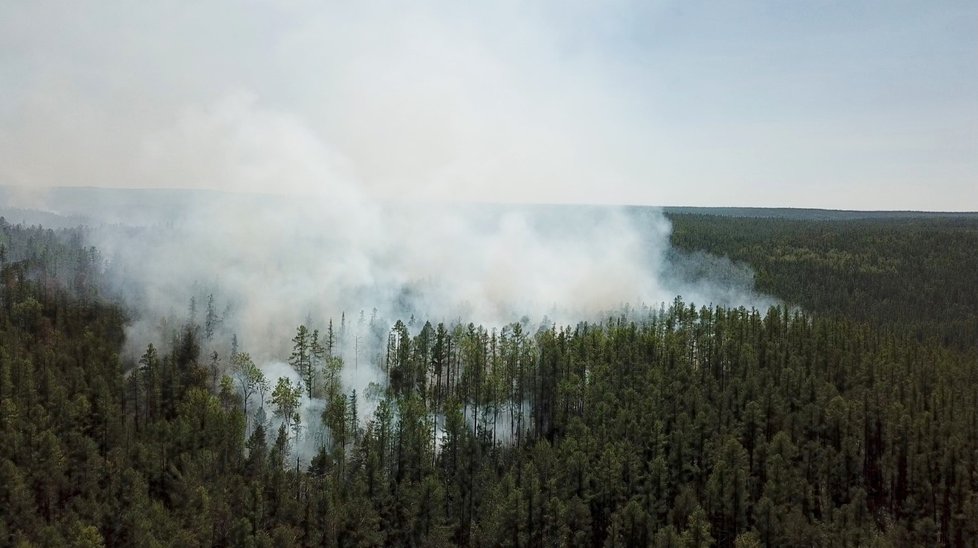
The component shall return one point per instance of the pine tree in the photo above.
(248, 377)
(301, 357)
(285, 398)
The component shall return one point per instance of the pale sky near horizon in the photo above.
(833, 104)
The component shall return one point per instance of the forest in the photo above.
(911, 274)
(846, 416)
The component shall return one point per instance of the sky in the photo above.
(848, 105)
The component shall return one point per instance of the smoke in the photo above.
(260, 265)
(335, 168)
(253, 266)
(272, 263)
(323, 247)
(430, 101)
(250, 267)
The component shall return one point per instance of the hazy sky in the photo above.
(849, 104)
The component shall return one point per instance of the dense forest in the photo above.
(847, 417)
(915, 275)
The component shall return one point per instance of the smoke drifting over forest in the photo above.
(343, 151)
(274, 262)
(321, 244)
(254, 267)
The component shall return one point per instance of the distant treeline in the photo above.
(690, 427)
(808, 214)
(917, 276)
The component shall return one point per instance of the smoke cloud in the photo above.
(337, 159)
(423, 102)
(250, 267)
(253, 267)
(257, 265)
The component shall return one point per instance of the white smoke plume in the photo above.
(251, 267)
(322, 247)
(337, 258)
(324, 251)
(331, 149)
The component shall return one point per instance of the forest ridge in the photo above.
(849, 417)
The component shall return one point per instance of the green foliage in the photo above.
(685, 427)
(285, 398)
(912, 275)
